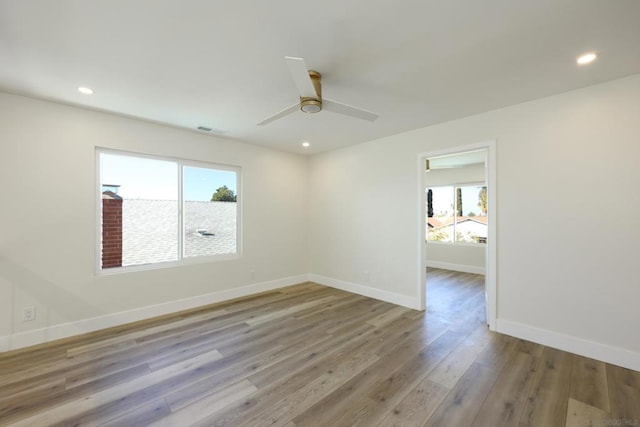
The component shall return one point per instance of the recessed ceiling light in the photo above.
(587, 58)
(306, 144)
(85, 90)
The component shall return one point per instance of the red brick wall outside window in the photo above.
(111, 230)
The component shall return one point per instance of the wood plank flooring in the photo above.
(309, 355)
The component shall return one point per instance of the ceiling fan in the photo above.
(309, 87)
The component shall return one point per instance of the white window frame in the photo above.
(455, 208)
(181, 260)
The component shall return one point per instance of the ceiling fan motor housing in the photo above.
(310, 105)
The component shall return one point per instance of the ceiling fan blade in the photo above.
(300, 74)
(348, 110)
(280, 114)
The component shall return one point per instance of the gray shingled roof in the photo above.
(149, 230)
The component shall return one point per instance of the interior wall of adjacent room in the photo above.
(566, 175)
(48, 215)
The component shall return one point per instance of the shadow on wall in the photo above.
(57, 302)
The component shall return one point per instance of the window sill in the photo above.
(471, 245)
(169, 264)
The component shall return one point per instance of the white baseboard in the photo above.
(456, 267)
(54, 332)
(366, 291)
(603, 352)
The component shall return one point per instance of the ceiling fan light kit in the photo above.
(309, 84)
(310, 105)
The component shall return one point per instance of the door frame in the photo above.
(491, 249)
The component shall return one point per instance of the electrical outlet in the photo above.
(28, 314)
(366, 276)
(253, 275)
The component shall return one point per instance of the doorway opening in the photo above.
(456, 298)
(457, 256)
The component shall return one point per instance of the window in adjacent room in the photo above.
(457, 213)
(154, 211)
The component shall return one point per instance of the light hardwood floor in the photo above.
(308, 355)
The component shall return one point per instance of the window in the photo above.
(457, 214)
(156, 210)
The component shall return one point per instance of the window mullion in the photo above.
(180, 212)
(455, 214)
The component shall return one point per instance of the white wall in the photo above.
(466, 257)
(567, 178)
(47, 216)
(469, 258)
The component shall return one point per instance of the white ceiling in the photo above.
(220, 64)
